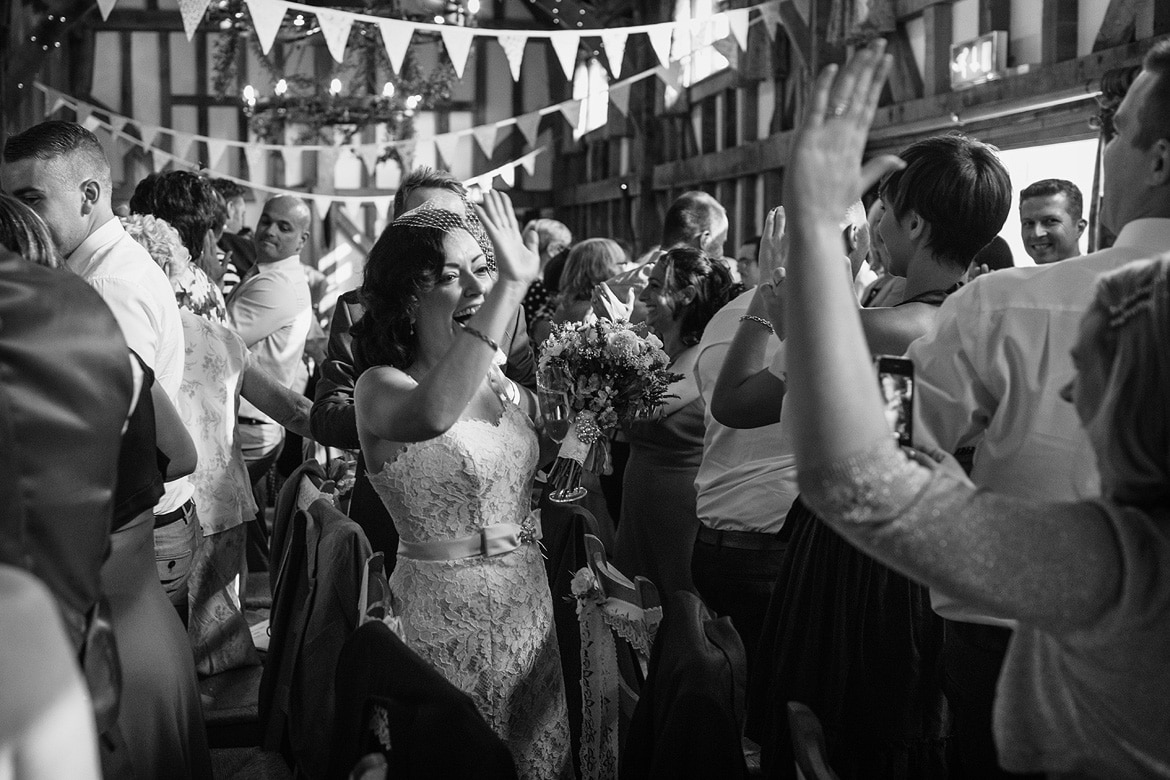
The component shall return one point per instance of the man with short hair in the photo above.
(747, 262)
(1050, 220)
(239, 253)
(272, 311)
(696, 219)
(60, 170)
(990, 371)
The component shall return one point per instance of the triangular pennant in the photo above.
(322, 202)
(670, 76)
(572, 112)
(529, 162)
(148, 133)
(447, 144)
(458, 43)
(369, 153)
(91, 123)
(615, 49)
(566, 43)
(619, 96)
(118, 123)
(83, 110)
(267, 16)
(529, 125)
(770, 14)
(396, 39)
(737, 20)
(659, 36)
(289, 155)
(215, 150)
(192, 11)
(507, 174)
(335, 26)
(513, 46)
(160, 159)
(485, 136)
(255, 155)
(105, 6)
(182, 144)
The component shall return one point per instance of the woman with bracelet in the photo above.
(656, 532)
(1085, 682)
(453, 457)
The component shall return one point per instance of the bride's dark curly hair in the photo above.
(402, 267)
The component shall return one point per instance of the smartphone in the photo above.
(896, 377)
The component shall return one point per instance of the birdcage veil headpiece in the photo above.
(436, 218)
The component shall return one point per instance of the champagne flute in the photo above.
(555, 410)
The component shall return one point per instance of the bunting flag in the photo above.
(529, 161)
(529, 125)
(215, 150)
(486, 138)
(148, 133)
(458, 43)
(289, 155)
(369, 156)
(182, 144)
(447, 145)
(322, 204)
(670, 75)
(91, 123)
(770, 14)
(117, 122)
(192, 12)
(160, 159)
(508, 176)
(335, 27)
(659, 36)
(571, 109)
(255, 156)
(513, 46)
(105, 6)
(83, 111)
(619, 96)
(614, 42)
(737, 20)
(396, 38)
(566, 43)
(266, 18)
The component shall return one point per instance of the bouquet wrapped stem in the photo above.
(585, 448)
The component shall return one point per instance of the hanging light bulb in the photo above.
(335, 87)
(249, 94)
(281, 87)
(388, 89)
(473, 7)
(413, 101)
(439, 19)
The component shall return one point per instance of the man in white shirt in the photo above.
(60, 170)
(990, 373)
(272, 311)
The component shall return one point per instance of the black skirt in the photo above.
(859, 644)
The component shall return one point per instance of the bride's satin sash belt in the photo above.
(491, 540)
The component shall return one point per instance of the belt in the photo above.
(743, 540)
(251, 421)
(175, 515)
(491, 540)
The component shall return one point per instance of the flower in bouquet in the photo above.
(609, 374)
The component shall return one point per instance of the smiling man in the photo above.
(272, 311)
(1050, 220)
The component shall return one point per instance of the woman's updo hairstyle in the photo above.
(1134, 416)
(685, 266)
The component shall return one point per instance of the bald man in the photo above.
(272, 311)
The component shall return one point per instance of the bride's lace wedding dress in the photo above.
(485, 622)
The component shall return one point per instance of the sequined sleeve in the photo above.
(1056, 566)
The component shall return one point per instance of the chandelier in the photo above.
(361, 92)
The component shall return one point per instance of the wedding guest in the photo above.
(656, 532)
(747, 262)
(453, 459)
(991, 370)
(886, 289)
(60, 170)
(996, 256)
(272, 312)
(333, 418)
(590, 262)
(1051, 225)
(239, 253)
(554, 240)
(1085, 681)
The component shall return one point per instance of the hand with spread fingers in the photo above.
(824, 174)
(607, 306)
(773, 262)
(517, 257)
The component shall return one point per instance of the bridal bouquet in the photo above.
(593, 377)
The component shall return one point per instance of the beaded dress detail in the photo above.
(484, 622)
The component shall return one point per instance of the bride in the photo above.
(452, 457)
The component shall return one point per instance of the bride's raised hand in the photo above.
(824, 173)
(516, 256)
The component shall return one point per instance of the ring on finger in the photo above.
(840, 109)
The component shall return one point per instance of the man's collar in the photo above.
(105, 233)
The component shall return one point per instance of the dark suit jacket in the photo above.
(334, 421)
(65, 387)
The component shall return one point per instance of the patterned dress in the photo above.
(484, 622)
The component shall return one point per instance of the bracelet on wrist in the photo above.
(481, 336)
(759, 321)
